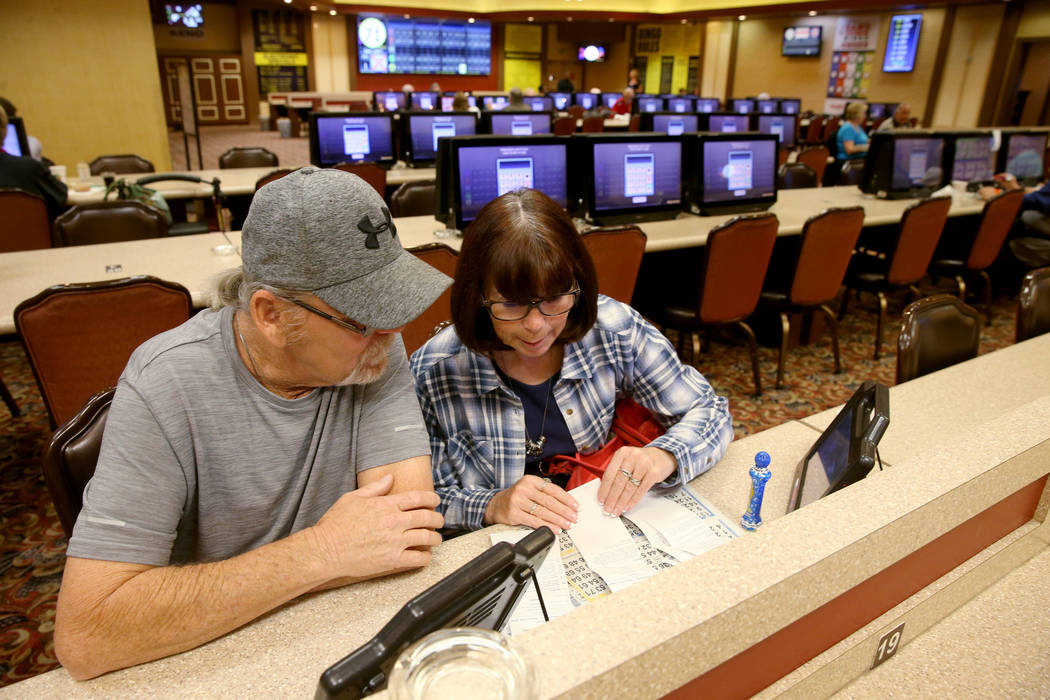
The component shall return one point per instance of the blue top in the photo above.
(848, 132)
(1037, 200)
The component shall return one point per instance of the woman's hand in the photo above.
(632, 471)
(534, 502)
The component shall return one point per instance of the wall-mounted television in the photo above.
(901, 44)
(592, 53)
(429, 45)
(801, 41)
(188, 15)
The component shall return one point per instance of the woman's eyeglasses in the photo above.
(515, 311)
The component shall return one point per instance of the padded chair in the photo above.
(71, 456)
(783, 153)
(414, 199)
(920, 229)
(936, 332)
(998, 217)
(793, 176)
(9, 400)
(851, 172)
(370, 173)
(736, 257)
(445, 259)
(617, 256)
(831, 129)
(576, 111)
(78, 337)
(109, 222)
(814, 130)
(593, 125)
(184, 228)
(271, 176)
(827, 242)
(816, 157)
(23, 221)
(1033, 304)
(564, 126)
(120, 165)
(248, 157)
(635, 124)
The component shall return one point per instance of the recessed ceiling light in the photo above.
(742, 17)
(333, 12)
(313, 8)
(685, 21)
(611, 19)
(568, 19)
(531, 19)
(287, 2)
(471, 20)
(812, 13)
(407, 16)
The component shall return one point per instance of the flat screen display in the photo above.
(917, 162)
(877, 110)
(649, 104)
(425, 100)
(738, 170)
(637, 174)
(901, 43)
(742, 106)
(680, 104)
(188, 15)
(801, 41)
(728, 123)
(424, 130)
(780, 125)
(562, 100)
(790, 106)
(520, 123)
(676, 124)
(351, 138)
(429, 45)
(539, 103)
(973, 158)
(446, 102)
(494, 103)
(592, 53)
(767, 106)
(707, 105)
(12, 146)
(610, 98)
(1024, 154)
(389, 100)
(587, 100)
(485, 172)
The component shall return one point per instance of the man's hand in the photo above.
(369, 533)
(632, 471)
(534, 502)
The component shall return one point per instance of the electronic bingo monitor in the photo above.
(425, 100)
(706, 105)
(742, 105)
(737, 173)
(16, 143)
(680, 103)
(421, 131)
(767, 106)
(388, 100)
(562, 100)
(973, 159)
(539, 103)
(790, 105)
(351, 137)
(1023, 155)
(671, 123)
(449, 97)
(633, 177)
(727, 123)
(494, 102)
(780, 125)
(516, 123)
(904, 164)
(587, 100)
(649, 104)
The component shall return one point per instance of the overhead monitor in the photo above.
(562, 100)
(973, 159)
(16, 143)
(742, 105)
(671, 123)
(422, 130)
(726, 123)
(902, 42)
(680, 103)
(349, 137)
(783, 126)
(846, 451)
(904, 164)
(767, 106)
(633, 177)
(707, 105)
(587, 100)
(449, 97)
(539, 103)
(737, 173)
(649, 104)
(801, 41)
(590, 53)
(790, 105)
(516, 123)
(426, 100)
(486, 167)
(1023, 155)
(427, 45)
(388, 100)
(491, 103)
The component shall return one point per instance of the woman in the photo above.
(851, 139)
(533, 368)
(633, 82)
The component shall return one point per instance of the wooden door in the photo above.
(218, 84)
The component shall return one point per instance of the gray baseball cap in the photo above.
(328, 232)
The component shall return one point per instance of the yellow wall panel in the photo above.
(968, 65)
(523, 37)
(521, 74)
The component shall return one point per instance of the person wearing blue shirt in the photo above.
(851, 140)
(533, 368)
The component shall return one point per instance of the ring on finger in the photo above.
(533, 508)
(626, 473)
(636, 482)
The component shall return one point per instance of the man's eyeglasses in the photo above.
(349, 325)
(515, 311)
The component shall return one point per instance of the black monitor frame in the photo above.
(435, 100)
(405, 134)
(733, 105)
(696, 105)
(868, 414)
(402, 103)
(315, 145)
(1002, 158)
(951, 146)
(18, 126)
(705, 122)
(485, 123)
(690, 108)
(696, 176)
(482, 593)
(879, 166)
(569, 99)
(789, 141)
(649, 120)
(797, 101)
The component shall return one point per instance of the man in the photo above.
(516, 101)
(901, 118)
(262, 450)
(32, 176)
(565, 83)
(623, 105)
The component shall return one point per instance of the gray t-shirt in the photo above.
(199, 462)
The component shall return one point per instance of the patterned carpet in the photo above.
(32, 553)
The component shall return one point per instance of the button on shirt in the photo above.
(476, 424)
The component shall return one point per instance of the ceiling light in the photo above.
(333, 12)
(407, 16)
(812, 13)
(287, 2)
(471, 20)
(742, 17)
(313, 8)
(568, 19)
(611, 19)
(531, 18)
(685, 21)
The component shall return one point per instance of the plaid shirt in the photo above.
(477, 424)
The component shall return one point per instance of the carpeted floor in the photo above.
(32, 552)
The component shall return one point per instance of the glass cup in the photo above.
(108, 178)
(462, 663)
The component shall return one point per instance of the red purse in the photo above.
(633, 425)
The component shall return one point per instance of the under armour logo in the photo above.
(365, 225)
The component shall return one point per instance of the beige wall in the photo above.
(761, 68)
(331, 57)
(967, 67)
(714, 69)
(1035, 20)
(85, 77)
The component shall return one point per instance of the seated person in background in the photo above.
(533, 368)
(599, 109)
(623, 105)
(1035, 207)
(516, 101)
(32, 176)
(565, 83)
(262, 450)
(460, 103)
(901, 118)
(851, 140)
(36, 150)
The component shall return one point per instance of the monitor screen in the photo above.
(918, 163)
(781, 125)
(790, 106)
(518, 123)
(388, 100)
(609, 99)
(707, 104)
(635, 174)
(446, 102)
(801, 41)
(766, 106)
(742, 105)
(587, 100)
(494, 103)
(425, 100)
(351, 138)
(424, 130)
(973, 158)
(901, 44)
(539, 103)
(649, 104)
(428, 45)
(674, 124)
(876, 110)
(15, 142)
(592, 53)
(488, 168)
(680, 104)
(735, 170)
(1024, 155)
(188, 15)
(728, 123)
(562, 100)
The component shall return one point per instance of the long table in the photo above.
(798, 607)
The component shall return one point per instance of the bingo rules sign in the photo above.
(853, 56)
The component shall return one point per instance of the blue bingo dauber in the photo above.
(759, 476)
